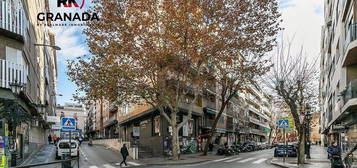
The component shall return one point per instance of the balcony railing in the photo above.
(211, 105)
(351, 91)
(351, 34)
(12, 16)
(11, 72)
(257, 131)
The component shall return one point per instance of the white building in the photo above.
(72, 110)
(338, 80)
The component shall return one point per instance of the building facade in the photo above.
(72, 110)
(339, 73)
(27, 77)
(245, 119)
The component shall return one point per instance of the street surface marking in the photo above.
(133, 163)
(93, 167)
(108, 166)
(260, 161)
(231, 160)
(218, 160)
(85, 156)
(246, 160)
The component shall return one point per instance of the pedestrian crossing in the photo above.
(116, 165)
(252, 160)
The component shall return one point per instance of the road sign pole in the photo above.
(70, 144)
(285, 144)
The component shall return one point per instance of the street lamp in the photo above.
(47, 45)
(16, 87)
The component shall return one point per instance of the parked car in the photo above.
(282, 150)
(63, 147)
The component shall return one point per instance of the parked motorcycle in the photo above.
(225, 151)
(336, 161)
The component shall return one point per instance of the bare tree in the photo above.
(294, 81)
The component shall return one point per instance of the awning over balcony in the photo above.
(209, 111)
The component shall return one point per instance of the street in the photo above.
(100, 157)
(246, 160)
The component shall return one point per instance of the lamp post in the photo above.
(16, 87)
(47, 45)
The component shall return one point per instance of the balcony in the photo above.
(12, 17)
(257, 132)
(258, 122)
(11, 72)
(350, 48)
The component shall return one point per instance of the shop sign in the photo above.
(53, 119)
(56, 127)
(136, 131)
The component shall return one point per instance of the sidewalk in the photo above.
(318, 159)
(184, 160)
(44, 155)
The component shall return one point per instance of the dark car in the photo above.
(281, 150)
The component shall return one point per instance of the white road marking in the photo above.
(246, 160)
(93, 167)
(85, 156)
(108, 166)
(133, 163)
(231, 160)
(218, 160)
(260, 161)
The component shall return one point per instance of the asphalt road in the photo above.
(100, 157)
(258, 159)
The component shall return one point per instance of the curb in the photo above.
(163, 164)
(278, 164)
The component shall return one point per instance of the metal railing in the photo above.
(351, 91)
(211, 105)
(11, 72)
(12, 16)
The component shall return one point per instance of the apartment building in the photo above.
(245, 119)
(339, 73)
(27, 76)
(259, 108)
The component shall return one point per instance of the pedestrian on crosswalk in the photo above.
(124, 152)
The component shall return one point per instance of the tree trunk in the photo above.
(269, 139)
(213, 129)
(174, 140)
(301, 150)
(210, 137)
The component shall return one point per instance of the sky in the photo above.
(302, 21)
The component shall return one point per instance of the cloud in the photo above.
(71, 41)
(302, 23)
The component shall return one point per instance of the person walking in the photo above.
(49, 139)
(349, 160)
(334, 154)
(124, 152)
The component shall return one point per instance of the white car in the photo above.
(63, 147)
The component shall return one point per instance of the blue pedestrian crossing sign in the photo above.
(283, 123)
(68, 124)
